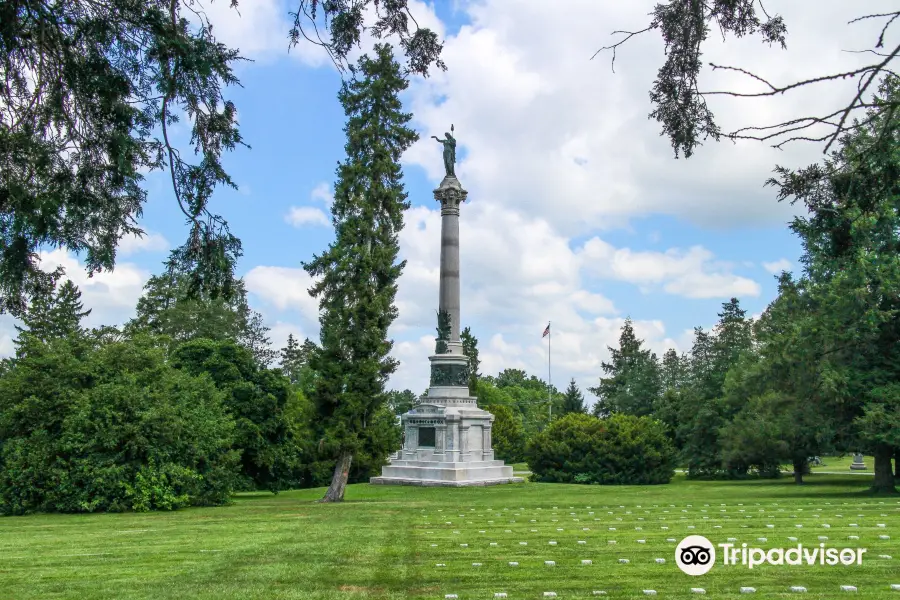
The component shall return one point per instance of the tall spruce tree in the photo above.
(357, 275)
(53, 316)
(573, 400)
(632, 384)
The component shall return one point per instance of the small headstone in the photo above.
(552, 543)
(451, 596)
(698, 591)
(660, 561)
(748, 590)
(624, 561)
(463, 545)
(762, 539)
(642, 541)
(881, 525)
(884, 537)
(440, 565)
(671, 540)
(798, 588)
(587, 562)
(582, 542)
(499, 594)
(649, 592)
(476, 564)
(895, 587)
(823, 538)
(611, 542)
(770, 526)
(848, 588)
(792, 539)
(826, 525)
(852, 537)
(549, 594)
(549, 563)
(885, 556)
(513, 564)
(599, 593)
(523, 543)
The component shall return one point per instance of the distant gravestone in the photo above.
(858, 464)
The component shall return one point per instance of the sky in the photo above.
(578, 213)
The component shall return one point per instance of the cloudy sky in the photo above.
(578, 212)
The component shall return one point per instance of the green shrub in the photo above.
(621, 449)
(110, 428)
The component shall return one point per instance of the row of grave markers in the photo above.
(744, 590)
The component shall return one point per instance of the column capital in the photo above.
(450, 194)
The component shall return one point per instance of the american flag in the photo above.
(546, 331)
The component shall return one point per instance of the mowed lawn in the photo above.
(386, 542)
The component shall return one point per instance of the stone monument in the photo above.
(858, 463)
(447, 438)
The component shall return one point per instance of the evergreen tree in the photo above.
(851, 275)
(573, 400)
(292, 359)
(54, 316)
(632, 384)
(357, 275)
(168, 308)
(470, 349)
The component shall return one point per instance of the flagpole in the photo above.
(549, 376)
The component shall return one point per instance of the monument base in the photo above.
(451, 474)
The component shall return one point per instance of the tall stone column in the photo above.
(450, 194)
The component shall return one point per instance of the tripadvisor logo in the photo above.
(696, 555)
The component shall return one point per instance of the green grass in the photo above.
(378, 544)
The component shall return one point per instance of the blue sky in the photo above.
(578, 212)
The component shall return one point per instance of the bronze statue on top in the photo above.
(449, 144)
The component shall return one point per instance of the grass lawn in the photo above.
(385, 542)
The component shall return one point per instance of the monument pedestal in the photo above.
(447, 439)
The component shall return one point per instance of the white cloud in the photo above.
(322, 193)
(299, 216)
(778, 266)
(544, 130)
(259, 30)
(149, 242)
(306, 215)
(692, 273)
(285, 288)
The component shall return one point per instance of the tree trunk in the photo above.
(335, 491)
(800, 466)
(884, 475)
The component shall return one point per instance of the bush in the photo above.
(621, 449)
(259, 400)
(110, 428)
